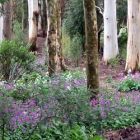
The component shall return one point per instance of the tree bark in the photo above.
(7, 29)
(110, 30)
(51, 36)
(42, 18)
(33, 14)
(60, 64)
(1, 24)
(133, 44)
(91, 46)
(55, 59)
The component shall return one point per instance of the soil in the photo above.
(132, 133)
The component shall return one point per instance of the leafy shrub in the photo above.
(73, 30)
(5, 112)
(76, 48)
(123, 36)
(72, 47)
(128, 85)
(62, 131)
(72, 23)
(15, 59)
(114, 61)
(18, 32)
(58, 130)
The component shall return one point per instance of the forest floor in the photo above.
(116, 74)
(107, 75)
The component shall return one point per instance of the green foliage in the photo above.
(114, 61)
(15, 59)
(123, 36)
(76, 47)
(71, 75)
(2, 1)
(72, 23)
(124, 120)
(125, 116)
(128, 85)
(72, 47)
(73, 30)
(57, 131)
(122, 12)
(18, 33)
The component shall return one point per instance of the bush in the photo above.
(72, 23)
(62, 131)
(72, 47)
(128, 85)
(18, 32)
(73, 30)
(15, 59)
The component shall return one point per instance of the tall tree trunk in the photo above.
(51, 36)
(133, 44)
(91, 46)
(42, 23)
(110, 30)
(55, 59)
(60, 59)
(23, 15)
(1, 24)
(7, 29)
(33, 13)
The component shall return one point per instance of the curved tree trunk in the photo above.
(91, 46)
(133, 44)
(110, 30)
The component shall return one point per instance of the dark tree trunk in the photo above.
(7, 31)
(91, 46)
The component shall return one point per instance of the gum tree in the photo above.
(33, 22)
(133, 44)
(110, 30)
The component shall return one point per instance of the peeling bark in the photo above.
(55, 59)
(133, 44)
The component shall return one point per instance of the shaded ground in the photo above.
(40, 51)
(124, 134)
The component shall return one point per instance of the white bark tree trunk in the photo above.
(32, 7)
(110, 30)
(1, 25)
(133, 44)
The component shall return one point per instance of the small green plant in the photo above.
(62, 131)
(123, 36)
(128, 85)
(114, 62)
(76, 48)
(18, 33)
(15, 59)
(72, 47)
